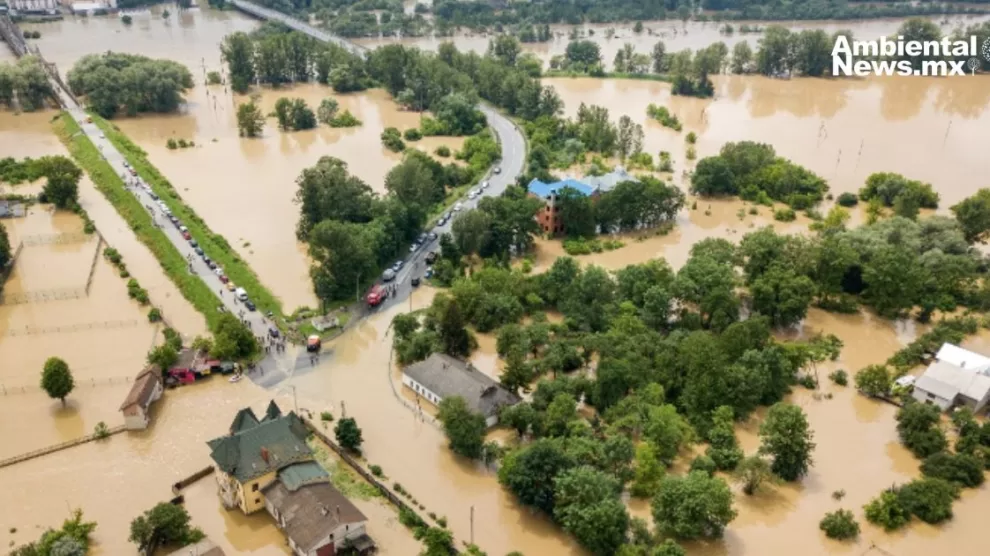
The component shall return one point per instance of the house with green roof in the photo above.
(253, 452)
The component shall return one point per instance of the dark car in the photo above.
(431, 257)
(415, 282)
(421, 238)
(250, 305)
(174, 219)
(153, 196)
(193, 243)
(211, 264)
(198, 251)
(273, 332)
(431, 236)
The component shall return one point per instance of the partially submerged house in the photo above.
(317, 519)
(549, 216)
(266, 463)
(441, 376)
(956, 377)
(147, 388)
(205, 547)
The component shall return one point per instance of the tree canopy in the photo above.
(115, 83)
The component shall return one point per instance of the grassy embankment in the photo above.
(214, 245)
(129, 207)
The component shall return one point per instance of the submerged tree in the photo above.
(56, 379)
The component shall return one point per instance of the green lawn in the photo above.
(214, 245)
(130, 209)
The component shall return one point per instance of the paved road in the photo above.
(511, 138)
(255, 319)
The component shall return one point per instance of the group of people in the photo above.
(269, 343)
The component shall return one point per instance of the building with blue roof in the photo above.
(589, 186)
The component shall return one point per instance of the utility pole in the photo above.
(472, 524)
(343, 410)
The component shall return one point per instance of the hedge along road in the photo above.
(255, 319)
(510, 138)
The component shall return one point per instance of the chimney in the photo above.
(264, 454)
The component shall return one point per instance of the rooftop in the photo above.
(447, 376)
(144, 386)
(300, 474)
(204, 547)
(963, 358)
(312, 511)
(946, 380)
(537, 187)
(255, 447)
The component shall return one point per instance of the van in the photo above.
(388, 275)
(241, 294)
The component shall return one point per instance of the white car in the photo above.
(472, 194)
(218, 271)
(458, 207)
(484, 185)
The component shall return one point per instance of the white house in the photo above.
(146, 390)
(956, 377)
(440, 376)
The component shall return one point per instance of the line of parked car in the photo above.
(240, 293)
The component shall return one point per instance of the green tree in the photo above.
(114, 82)
(928, 499)
(840, 525)
(752, 472)
(518, 371)
(588, 507)
(812, 52)
(327, 110)
(887, 511)
(348, 434)
(786, 437)
(659, 57)
(164, 524)
(5, 254)
(521, 417)
(783, 295)
(61, 188)
(713, 177)
(917, 426)
(464, 428)
(283, 113)
(962, 469)
(233, 340)
(742, 58)
(250, 120)
(874, 380)
(776, 51)
(693, 507)
(454, 337)
(164, 356)
(973, 214)
(629, 139)
(576, 211)
(529, 472)
(472, 231)
(56, 379)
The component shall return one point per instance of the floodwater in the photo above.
(676, 35)
(927, 129)
(245, 188)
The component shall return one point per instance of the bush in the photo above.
(126, 19)
(112, 255)
(171, 144)
(154, 315)
(703, 463)
(917, 426)
(442, 150)
(412, 134)
(326, 416)
(839, 525)
(376, 470)
(392, 140)
(887, 511)
(848, 200)
(345, 119)
(213, 78)
(839, 377)
(962, 469)
(101, 431)
(691, 153)
(786, 214)
(691, 137)
(928, 499)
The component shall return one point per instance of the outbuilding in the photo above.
(146, 390)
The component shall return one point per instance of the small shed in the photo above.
(146, 390)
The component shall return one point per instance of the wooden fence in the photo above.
(56, 448)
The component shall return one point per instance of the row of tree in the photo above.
(630, 205)
(24, 84)
(60, 173)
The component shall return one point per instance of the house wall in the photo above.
(340, 537)
(251, 497)
(135, 418)
(491, 421)
(925, 396)
(421, 390)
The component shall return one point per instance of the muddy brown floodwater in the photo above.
(676, 35)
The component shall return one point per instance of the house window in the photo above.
(254, 487)
(931, 396)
